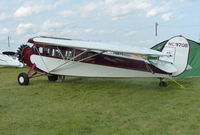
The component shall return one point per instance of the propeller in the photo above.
(20, 52)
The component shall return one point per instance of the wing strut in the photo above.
(72, 59)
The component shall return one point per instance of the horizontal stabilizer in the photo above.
(164, 66)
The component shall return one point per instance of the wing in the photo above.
(95, 46)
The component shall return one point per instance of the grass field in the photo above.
(96, 106)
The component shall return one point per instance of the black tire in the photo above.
(23, 79)
(163, 84)
(52, 77)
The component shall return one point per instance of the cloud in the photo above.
(88, 30)
(131, 33)
(110, 1)
(155, 11)
(69, 32)
(166, 16)
(66, 13)
(24, 11)
(49, 28)
(140, 5)
(117, 9)
(77, 32)
(113, 8)
(48, 24)
(35, 8)
(88, 8)
(4, 16)
(4, 31)
(23, 28)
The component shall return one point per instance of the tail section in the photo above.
(177, 49)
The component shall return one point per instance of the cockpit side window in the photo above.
(40, 49)
(47, 51)
(65, 53)
(69, 54)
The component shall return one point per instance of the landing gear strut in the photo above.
(162, 83)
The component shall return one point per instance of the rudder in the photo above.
(178, 50)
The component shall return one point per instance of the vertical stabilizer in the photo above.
(178, 49)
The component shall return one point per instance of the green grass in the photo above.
(96, 106)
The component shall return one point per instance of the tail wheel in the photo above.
(53, 77)
(23, 79)
(162, 84)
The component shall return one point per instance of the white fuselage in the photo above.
(73, 68)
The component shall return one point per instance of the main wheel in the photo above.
(162, 84)
(53, 77)
(23, 79)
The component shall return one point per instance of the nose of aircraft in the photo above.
(20, 52)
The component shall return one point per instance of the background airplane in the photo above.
(9, 58)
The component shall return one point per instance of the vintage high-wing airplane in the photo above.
(9, 58)
(176, 57)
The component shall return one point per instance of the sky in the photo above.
(121, 22)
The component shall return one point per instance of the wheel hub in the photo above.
(21, 79)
